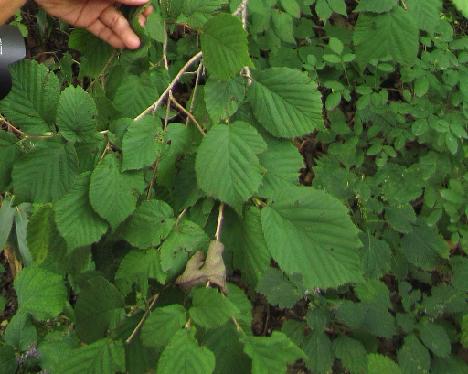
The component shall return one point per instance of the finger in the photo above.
(132, 2)
(119, 25)
(105, 33)
(143, 17)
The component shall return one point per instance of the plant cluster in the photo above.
(156, 204)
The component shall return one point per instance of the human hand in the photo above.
(100, 17)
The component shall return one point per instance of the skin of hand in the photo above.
(8, 9)
(100, 17)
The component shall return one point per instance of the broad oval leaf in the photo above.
(227, 164)
(310, 232)
(286, 102)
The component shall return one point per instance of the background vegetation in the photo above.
(312, 151)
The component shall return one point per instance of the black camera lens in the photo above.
(12, 49)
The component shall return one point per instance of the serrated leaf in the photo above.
(112, 193)
(227, 163)
(401, 218)
(183, 355)
(96, 305)
(377, 256)
(394, 34)
(321, 239)
(223, 98)
(185, 238)
(272, 354)
(424, 247)
(138, 267)
(76, 115)
(8, 154)
(162, 324)
(42, 233)
(379, 364)
(32, 102)
(224, 45)
(278, 289)
(151, 222)
(102, 357)
(319, 354)
(244, 237)
(8, 363)
(142, 143)
(283, 163)
(413, 357)
(352, 354)
(76, 221)
(426, 14)
(435, 338)
(40, 293)
(45, 174)
(376, 6)
(286, 102)
(210, 308)
(20, 332)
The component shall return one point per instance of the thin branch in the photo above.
(166, 63)
(143, 319)
(187, 113)
(220, 222)
(155, 106)
(195, 91)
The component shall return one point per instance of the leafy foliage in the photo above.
(265, 186)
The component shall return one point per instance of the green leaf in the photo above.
(379, 364)
(102, 357)
(45, 174)
(151, 222)
(352, 353)
(377, 256)
(224, 45)
(40, 293)
(42, 233)
(142, 143)
(8, 363)
(95, 53)
(162, 324)
(7, 218)
(227, 163)
(8, 154)
(286, 102)
(462, 6)
(435, 338)
(137, 267)
(291, 7)
(424, 247)
(223, 98)
(20, 332)
(183, 355)
(245, 238)
(112, 193)
(319, 354)
(211, 309)
(76, 221)
(97, 303)
(32, 102)
(413, 357)
(272, 354)
(185, 238)
(76, 115)
(321, 239)
(278, 289)
(401, 218)
(283, 163)
(426, 14)
(136, 93)
(394, 34)
(376, 6)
